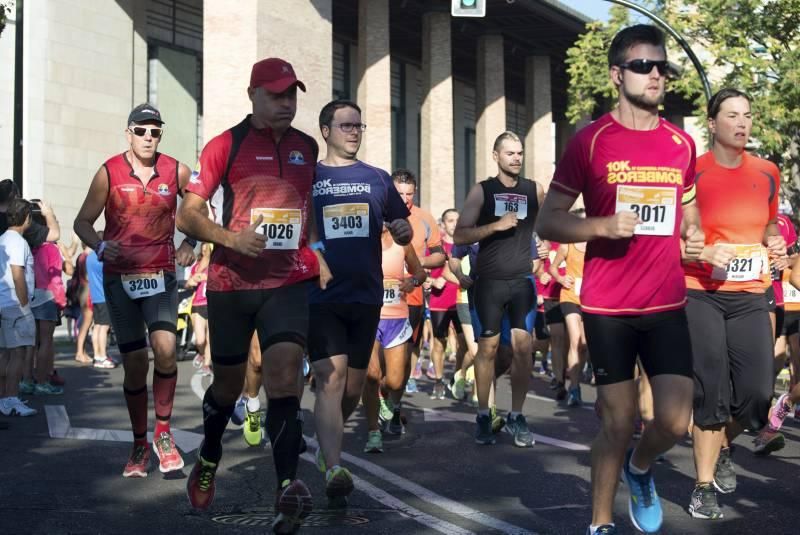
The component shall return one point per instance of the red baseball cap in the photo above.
(275, 75)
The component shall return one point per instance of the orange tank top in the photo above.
(575, 258)
(393, 263)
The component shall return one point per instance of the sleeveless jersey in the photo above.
(574, 262)
(141, 216)
(393, 264)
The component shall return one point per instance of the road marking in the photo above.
(437, 415)
(586, 405)
(59, 427)
(197, 386)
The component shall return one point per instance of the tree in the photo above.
(5, 10)
(752, 45)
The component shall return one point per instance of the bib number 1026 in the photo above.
(278, 231)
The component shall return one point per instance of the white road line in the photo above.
(59, 427)
(586, 405)
(437, 415)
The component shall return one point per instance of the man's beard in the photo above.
(643, 101)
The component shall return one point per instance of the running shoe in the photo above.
(139, 461)
(431, 372)
(644, 505)
(768, 441)
(498, 422)
(703, 503)
(47, 389)
(197, 361)
(518, 428)
(779, 412)
(374, 442)
(253, 433)
(169, 458)
(396, 426)
(605, 529)
(55, 379)
(319, 459)
(27, 387)
(484, 435)
(574, 398)
(457, 389)
(105, 364)
(292, 505)
(338, 486)
(439, 390)
(205, 371)
(417, 371)
(13, 406)
(725, 472)
(638, 428)
(238, 414)
(386, 409)
(411, 386)
(200, 486)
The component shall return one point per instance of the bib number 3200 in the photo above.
(141, 285)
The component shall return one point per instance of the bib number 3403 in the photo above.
(141, 285)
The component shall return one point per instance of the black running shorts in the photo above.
(343, 329)
(441, 320)
(733, 357)
(660, 340)
(415, 318)
(791, 322)
(132, 319)
(494, 298)
(570, 308)
(552, 312)
(277, 315)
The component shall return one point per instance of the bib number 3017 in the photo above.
(655, 206)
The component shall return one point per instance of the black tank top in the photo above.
(507, 255)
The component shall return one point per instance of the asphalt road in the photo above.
(61, 472)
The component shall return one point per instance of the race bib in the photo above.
(349, 220)
(747, 266)
(654, 205)
(281, 226)
(391, 292)
(790, 293)
(143, 284)
(577, 286)
(511, 202)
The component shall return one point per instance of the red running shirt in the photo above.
(616, 168)
(141, 217)
(264, 178)
(789, 234)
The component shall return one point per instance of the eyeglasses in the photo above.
(348, 127)
(140, 131)
(645, 66)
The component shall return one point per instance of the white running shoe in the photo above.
(15, 406)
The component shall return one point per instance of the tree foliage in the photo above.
(5, 9)
(752, 45)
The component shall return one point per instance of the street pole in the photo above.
(681, 41)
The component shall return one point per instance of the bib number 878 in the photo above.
(278, 231)
(142, 284)
(649, 213)
(389, 294)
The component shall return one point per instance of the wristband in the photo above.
(318, 246)
(100, 248)
(191, 241)
(417, 282)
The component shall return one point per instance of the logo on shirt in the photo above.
(266, 158)
(677, 139)
(296, 158)
(325, 187)
(163, 189)
(195, 178)
(622, 172)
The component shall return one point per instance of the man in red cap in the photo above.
(257, 177)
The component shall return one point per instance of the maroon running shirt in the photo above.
(141, 217)
(651, 173)
(264, 178)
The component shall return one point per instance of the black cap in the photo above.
(145, 113)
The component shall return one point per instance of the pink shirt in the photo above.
(611, 165)
(443, 299)
(199, 299)
(47, 263)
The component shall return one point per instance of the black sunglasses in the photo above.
(645, 66)
(141, 131)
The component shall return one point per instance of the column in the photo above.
(539, 139)
(490, 103)
(374, 84)
(436, 138)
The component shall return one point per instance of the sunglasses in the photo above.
(645, 66)
(140, 131)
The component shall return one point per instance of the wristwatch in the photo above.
(416, 281)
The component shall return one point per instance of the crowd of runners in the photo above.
(663, 278)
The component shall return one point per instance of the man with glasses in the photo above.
(636, 173)
(257, 176)
(352, 201)
(138, 192)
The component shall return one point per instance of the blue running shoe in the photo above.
(644, 505)
(411, 386)
(237, 418)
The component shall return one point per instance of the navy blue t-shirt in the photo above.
(351, 204)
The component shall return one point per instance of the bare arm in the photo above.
(53, 228)
(561, 255)
(92, 207)
(466, 230)
(192, 219)
(555, 223)
(20, 286)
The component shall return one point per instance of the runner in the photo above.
(352, 200)
(554, 319)
(500, 214)
(198, 279)
(428, 246)
(394, 331)
(459, 261)
(444, 293)
(573, 255)
(258, 177)
(137, 192)
(737, 195)
(633, 292)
